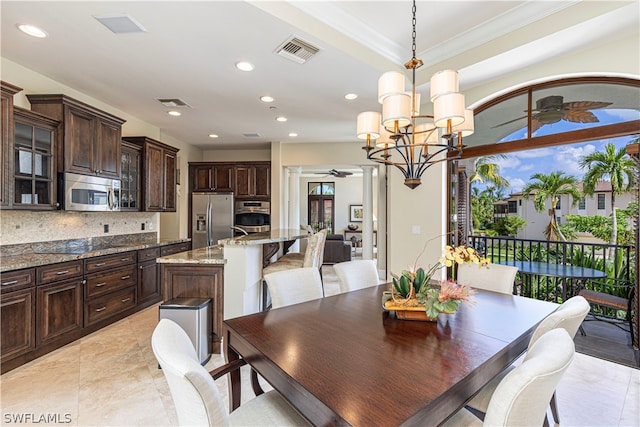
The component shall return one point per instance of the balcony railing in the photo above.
(617, 261)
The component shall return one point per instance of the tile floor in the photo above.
(111, 378)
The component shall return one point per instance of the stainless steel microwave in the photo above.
(89, 193)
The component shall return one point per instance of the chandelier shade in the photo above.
(396, 110)
(448, 108)
(407, 140)
(390, 83)
(368, 125)
(443, 82)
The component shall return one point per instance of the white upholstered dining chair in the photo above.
(294, 286)
(522, 396)
(197, 400)
(568, 316)
(494, 277)
(357, 274)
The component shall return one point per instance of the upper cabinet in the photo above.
(159, 173)
(130, 188)
(88, 139)
(253, 180)
(6, 127)
(33, 171)
(212, 177)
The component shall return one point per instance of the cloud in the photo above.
(526, 167)
(568, 157)
(535, 154)
(516, 185)
(509, 162)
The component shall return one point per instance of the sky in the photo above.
(518, 167)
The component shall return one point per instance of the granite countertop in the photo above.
(208, 255)
(29, 255)
(273, 236)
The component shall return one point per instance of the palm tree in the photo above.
(618, 167)
(551, 186)
(486, 169)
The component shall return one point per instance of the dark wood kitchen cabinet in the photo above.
(130, 186)
(149, 287)
(33, 178)
(212, 177)
(17, 313)
(88, 138)
(159, 173)
(111, 290)
(59, 303)
(7, 92)
(253, 181)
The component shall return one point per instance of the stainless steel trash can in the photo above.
(194, 316)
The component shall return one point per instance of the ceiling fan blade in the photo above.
(535, 125)
(585, 105)
(510, 121)
(580, 116)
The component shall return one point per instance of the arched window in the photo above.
(555, 113)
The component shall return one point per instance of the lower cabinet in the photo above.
(109, 305)
(18, 318)
(59, 311)
(197, 281)
(149, 286)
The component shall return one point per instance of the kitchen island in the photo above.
(230, 274)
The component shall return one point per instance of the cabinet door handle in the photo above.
(99, 285)
(100, 264)
(13, 282)
(126, 299)
(62, 272)
(125, 277)
(124, 259)
(98, 310)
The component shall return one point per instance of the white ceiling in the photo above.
(189, 50)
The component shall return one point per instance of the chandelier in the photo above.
(404, 138)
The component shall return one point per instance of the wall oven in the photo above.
(253, 216)
(89, 193)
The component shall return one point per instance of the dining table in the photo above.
(576, 275)
(343, 360)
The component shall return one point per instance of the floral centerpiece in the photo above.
(413, 292)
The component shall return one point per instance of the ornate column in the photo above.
(367, 206)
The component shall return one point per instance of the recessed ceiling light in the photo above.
(281, 119)
(350, 96)
(266, 98)
(174, 113)
(292, 134)
(213, 135)
(244, 66)
(33, 31)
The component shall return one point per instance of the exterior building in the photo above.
(597, 204)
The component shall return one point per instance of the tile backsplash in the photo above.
(28, 227)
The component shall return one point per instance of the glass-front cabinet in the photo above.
(130, 180)
(34, 183)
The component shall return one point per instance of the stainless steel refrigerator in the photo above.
(212, 218)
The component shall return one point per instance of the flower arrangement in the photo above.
(412, 290)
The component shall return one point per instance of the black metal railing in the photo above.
(617, 261)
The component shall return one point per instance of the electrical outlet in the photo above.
(142, 226)
(415, 229)
(150, 225)
(106, 228)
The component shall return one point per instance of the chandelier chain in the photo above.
(413, 33)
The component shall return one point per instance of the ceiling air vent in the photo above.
(120, 23)
(297, 50)
(251, 135)
(173, 102)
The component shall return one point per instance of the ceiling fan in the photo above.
(552, 109)
(336, 173)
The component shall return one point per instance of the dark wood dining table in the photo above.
(342, 360)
